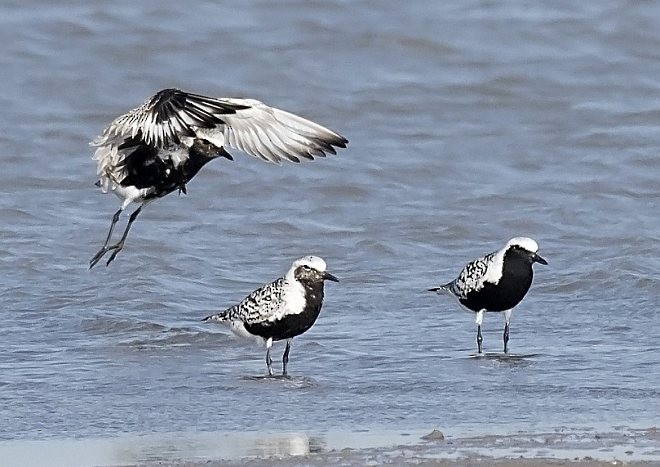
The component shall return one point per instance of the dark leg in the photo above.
(285, 357)
(119, 245)
(506, 338)
(269, 362)
(479, 338)
(104, 249)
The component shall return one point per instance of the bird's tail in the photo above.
(446, 288)
(220, 317)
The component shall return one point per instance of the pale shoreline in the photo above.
(625, 447)
(619, 446)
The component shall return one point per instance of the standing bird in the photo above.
(160, 146)
(282, 309)
(496, 282)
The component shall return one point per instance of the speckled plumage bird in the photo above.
(159, 147)
(281, 310)
(496, 282)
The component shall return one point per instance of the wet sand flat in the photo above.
(621, 446)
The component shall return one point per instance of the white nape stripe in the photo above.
(493, 270)
(294, 300)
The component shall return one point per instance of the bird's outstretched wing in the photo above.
(262, 305)
(272, 134)
(167, 117)
(167, 123)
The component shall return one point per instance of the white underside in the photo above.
(507, 315)
(238, 328)
(129, 194)
(479, 316)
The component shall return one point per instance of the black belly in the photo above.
(146, 169)
(511, 289)
(292, 325)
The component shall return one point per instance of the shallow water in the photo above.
(468, 124)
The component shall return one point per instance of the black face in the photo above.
(529, 255)
(205, 148)
(310, 275)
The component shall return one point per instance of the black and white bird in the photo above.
(282, 309)
(496, 282)
(160, 146)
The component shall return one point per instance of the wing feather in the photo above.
(254, 128)
(258, 307)
(170, 117)
(473, 276)
(167, 116)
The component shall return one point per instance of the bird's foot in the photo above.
(97, 257)
(117, 249)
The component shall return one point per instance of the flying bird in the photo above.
(496, 282)
(158, 147)
(282, 309)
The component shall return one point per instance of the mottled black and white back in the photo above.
(496, 282)
(282, 309)
(158, 147)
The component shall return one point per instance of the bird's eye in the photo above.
(305, 267)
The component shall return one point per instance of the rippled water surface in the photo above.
(469, 123)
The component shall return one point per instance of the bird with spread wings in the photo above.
(158, 147)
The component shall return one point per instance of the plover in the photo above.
(282, 309)
(496, 282)
(160, 146)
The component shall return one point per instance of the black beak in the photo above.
(537, 259)
(329, 277)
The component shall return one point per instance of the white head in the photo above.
(309, 269)
(523, 242)
(313, 262)
(528, 245)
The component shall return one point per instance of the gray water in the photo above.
(469, 123)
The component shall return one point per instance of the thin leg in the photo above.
(507, 318)
(104, 249)
(269, 362)
(285, 357)
(478, 320)
(479, 338)
(119, 245)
